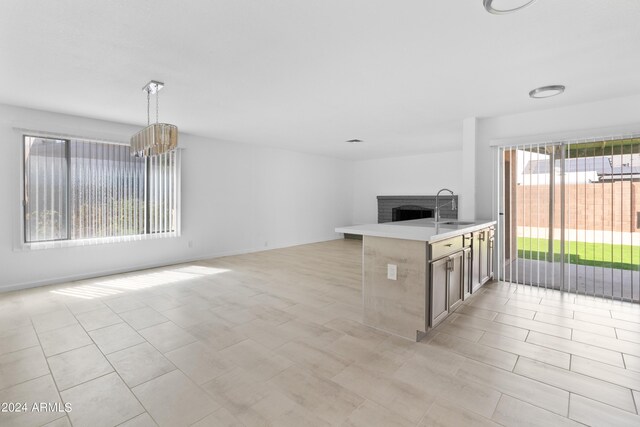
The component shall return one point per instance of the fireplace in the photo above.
(406, 212)
(401, 208)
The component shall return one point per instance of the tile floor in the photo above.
(274, 338)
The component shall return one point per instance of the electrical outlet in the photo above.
(392, 272)
(190, 243)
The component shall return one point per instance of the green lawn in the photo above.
(623, 257)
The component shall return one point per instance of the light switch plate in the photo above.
(392, 272)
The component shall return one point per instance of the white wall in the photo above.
(240, 198)
(468, 164)
(422, 174)
(606, 118)
(235, 198)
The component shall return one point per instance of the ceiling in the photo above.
(309, 75)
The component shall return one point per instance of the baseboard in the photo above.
(83, 276)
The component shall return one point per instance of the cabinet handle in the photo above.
(449, 245)
(450, 265)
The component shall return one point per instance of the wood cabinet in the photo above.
(483, 242)
(456, 280)
(411, 285)
(490, 253)
(475, 255)
(439, 279)
(468, 270)
(449, 283)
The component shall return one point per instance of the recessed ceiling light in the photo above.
(354, 141)
(502, 7)
(547, 91)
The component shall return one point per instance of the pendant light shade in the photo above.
(156, 138)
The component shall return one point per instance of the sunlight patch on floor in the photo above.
(118, 285)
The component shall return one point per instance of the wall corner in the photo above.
(468, 193)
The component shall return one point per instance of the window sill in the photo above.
(92, 242)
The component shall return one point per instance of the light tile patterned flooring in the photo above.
(274, 338)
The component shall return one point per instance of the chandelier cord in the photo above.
(148, 101)
(157, 104)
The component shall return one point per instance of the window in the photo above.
(77, 190)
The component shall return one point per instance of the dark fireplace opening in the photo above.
(407, 212)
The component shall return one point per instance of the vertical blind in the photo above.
(570, 217)
(78, 190)
(46, 182)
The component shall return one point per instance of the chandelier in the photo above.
(156, 138)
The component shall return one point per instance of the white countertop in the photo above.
(424, 230)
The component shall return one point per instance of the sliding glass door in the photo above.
(570, 217)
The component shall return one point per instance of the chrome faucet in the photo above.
(453, 204)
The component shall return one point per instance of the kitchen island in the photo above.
(415, 273)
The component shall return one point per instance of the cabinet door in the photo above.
(467, 273)
(490, 257)
(476, 255)
(482, 261)
(456, 279)
(439, 277)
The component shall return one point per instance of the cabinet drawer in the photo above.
(446, 247)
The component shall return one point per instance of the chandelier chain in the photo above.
(148, 102)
